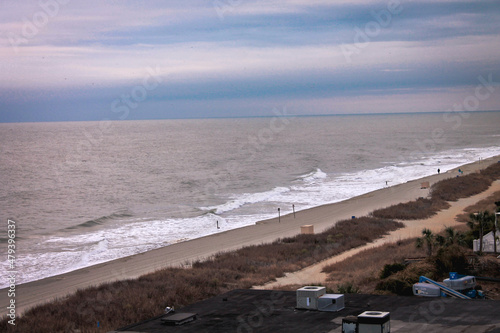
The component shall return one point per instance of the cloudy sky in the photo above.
(146, 59)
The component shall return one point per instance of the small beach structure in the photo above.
(488, 245)
(307, 229)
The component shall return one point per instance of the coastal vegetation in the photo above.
(394, 268)
(421, 208)
(450, 189)
(384, 270)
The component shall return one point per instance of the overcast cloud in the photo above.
(94, 59)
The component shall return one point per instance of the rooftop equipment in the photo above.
(374, 322)
(331, 302)
(179, 318)
(315, 298)
(307, 297)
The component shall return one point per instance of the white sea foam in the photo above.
(313, 176)
(246, 199)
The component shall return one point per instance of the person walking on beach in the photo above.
(439, 171)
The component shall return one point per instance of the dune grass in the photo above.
(488, 204)
(363, 270)
(450, 189)
(421, 208)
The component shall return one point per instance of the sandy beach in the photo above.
(322, 217)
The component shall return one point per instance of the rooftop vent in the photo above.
(331, 302)
(307, 297)
(179, 318)
(374, 321)
(315, 298)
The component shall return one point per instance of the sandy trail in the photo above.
(445, 218)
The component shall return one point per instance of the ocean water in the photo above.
(82, 193)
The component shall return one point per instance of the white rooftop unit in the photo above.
(374, 322)
(331, 302)
(307, 297)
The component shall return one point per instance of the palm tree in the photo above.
(497, 211)
(495, 237)
(453, 237)
(428, 238)
(495, 229)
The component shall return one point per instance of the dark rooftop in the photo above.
(249, 311)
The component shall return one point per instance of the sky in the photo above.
(70, 60)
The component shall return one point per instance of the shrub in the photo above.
(401, 283)
(418, 209)
(450, 259)
(347, 288)
(492, 171)
(396, 286)
(390, 269)
(452, 189)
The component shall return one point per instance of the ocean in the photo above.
(83, 193)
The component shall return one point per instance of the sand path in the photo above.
(445, 218)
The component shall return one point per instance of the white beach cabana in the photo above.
(487, 243)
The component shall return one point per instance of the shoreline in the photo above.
(181, 254)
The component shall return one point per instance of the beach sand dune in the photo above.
(322, 217)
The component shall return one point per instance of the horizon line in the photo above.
(253, 117)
